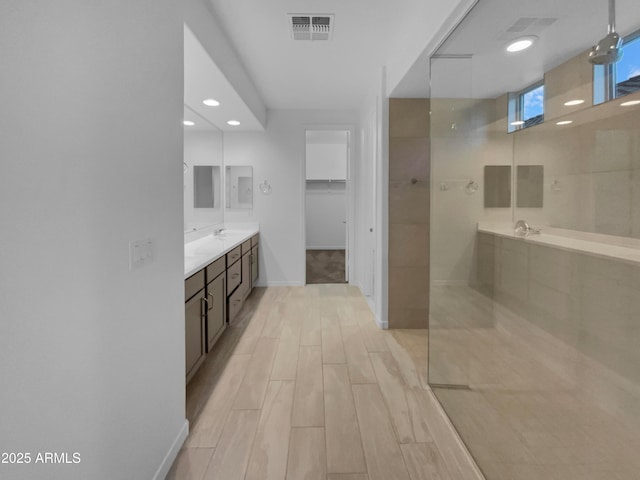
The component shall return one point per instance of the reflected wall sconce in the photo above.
(265, 188)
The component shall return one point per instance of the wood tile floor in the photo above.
(305, 386)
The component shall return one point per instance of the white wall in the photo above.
(91, 354)
(277, 155)
(326, 161)
(202, 148)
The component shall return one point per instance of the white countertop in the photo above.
(201, 252)
(605, 246)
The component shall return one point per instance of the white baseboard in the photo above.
(171, 455)
(372, 307)
(339, 247)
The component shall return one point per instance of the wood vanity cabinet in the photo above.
(195, 312)
(254, 260)
(213, 297)
(216, 301)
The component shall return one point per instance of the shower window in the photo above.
(622, 78)
(526, 108)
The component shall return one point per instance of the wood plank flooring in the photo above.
(305, 386)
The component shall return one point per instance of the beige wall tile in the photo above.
(409, 203)
(408, 287)
(408, 117)
(409, 158)
(408, 245)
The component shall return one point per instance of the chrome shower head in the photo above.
(608, 50)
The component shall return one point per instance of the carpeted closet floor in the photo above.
(325, 266)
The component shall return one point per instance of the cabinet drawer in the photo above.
(214, 269)
(254, 240)
(234, 276)
(235, 304)
(193, 285)
(246, 247)
(233, 256)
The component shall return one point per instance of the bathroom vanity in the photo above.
(220, 273)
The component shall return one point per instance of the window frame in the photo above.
(516, 107)
(605, 76)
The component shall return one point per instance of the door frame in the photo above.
(350, 214)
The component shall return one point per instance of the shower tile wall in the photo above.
(589, 304)
(408, 213)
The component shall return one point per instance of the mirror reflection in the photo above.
(529, 191)
(239, 187)
(206, 186)
(497, 186)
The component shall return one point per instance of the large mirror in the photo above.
(206, 186)
(529, 186)
(239, 187)
(497, 186)
(203, 160)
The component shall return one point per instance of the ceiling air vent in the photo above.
(310, 27)
(527, 26)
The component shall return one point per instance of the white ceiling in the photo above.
(335, 74)
(203, 80)
(492, 71)
(368, 34)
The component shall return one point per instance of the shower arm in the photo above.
(612, 16)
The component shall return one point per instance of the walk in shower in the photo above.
(534, 340)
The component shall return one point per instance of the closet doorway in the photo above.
(326, 206)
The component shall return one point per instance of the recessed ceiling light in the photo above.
(210, 102)
(188, 123)
(572, 103)
(234, 123)
(564, 122)
(630, 103)
(517, 122)
(521, 44)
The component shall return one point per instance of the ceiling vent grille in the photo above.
(527, 26)
(310, 27)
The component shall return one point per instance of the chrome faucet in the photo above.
(522, 229)
(218, 231)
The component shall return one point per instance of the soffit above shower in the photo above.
(565, 29)
(310, 26)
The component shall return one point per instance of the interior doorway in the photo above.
(326, 206)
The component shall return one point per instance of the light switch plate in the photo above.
(141, 253)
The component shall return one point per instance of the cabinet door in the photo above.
(193, 318)
(246, 275)
(254, 266)
(216, 315)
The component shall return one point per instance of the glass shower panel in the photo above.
(534, 335)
